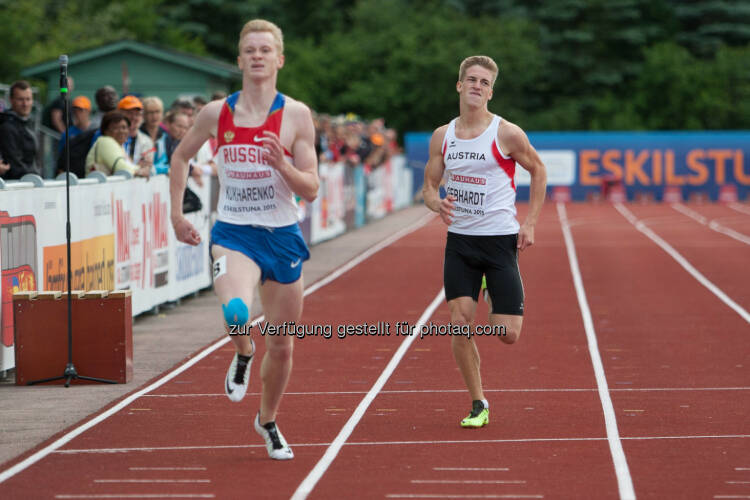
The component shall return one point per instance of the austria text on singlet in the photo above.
(251, 191)
(480, 177)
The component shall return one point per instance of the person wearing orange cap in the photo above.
(139, 146)
(81, 110)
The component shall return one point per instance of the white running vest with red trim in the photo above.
(480, 176)
(251, 191)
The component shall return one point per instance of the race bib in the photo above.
(470, 192)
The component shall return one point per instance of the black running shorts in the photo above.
(468, 257)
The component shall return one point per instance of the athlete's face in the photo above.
(259, 56)
(476, 87)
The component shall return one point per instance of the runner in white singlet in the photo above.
(476, 155)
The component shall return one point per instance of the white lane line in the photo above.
(690, 213)
(139, 481)
(742, 468)
(442, 495)
(731, 496)
(720, 228)
(35, 457)
(66, 438)
(739, 208)
(443, 391)
(471, 468)
(737, 482)
(150, 449)
(712, 224)
(640, 226)
(167, 468)
(307, 485)
(139, 495)
(467, 481)
(624, 481)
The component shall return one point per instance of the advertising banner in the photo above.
(643, 162)
(121, 238)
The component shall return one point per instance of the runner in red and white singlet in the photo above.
(266, 155)
(476, 155)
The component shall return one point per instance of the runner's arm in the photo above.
(525, 155)
(302, 177)
(433, 175)
(199, 133)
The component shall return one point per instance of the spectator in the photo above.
(218, 95)
(356, 148)
(106, 101)
(186, 107)
(53, 113)
(81, 108)
(108, 154)
(337, 141)
(139, 146)
(391, 140)
(199, 101)
(18, 144)
(177, 125)
(153, 110)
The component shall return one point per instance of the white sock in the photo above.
(486, 403)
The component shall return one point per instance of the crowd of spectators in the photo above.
(139, 136)
(348, 139)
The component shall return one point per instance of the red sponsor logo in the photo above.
(468, 179)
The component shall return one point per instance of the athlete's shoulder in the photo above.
(210, 112)
(511, 136)
(439, 133)
(296, 109)
(437, 139)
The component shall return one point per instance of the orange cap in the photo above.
(130, 102)
(82, 102)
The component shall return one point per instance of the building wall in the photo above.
(146, 77)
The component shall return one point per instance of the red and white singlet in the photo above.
(251, 191)
(480, 176)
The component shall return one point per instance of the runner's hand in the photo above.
(274, 151)
(525, 237)
(446, 209)
(197, 174)
(185, 231)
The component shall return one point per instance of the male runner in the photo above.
(477, 153)
(265, 155)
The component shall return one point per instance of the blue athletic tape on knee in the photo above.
(235, 312)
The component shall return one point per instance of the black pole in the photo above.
(70, 372)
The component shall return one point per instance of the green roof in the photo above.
(202, 64)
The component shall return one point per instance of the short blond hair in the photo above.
(483, 61)
(147, 101)
(260, 25)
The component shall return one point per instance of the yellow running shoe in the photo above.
(479, 416)
(485, 292)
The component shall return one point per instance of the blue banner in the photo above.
(644, 162)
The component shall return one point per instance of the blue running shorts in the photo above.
(278, 251)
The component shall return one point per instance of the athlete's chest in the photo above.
(238, 125)
(470, 156)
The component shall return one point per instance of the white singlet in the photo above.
(480, 176)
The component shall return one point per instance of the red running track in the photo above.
(674, 356)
